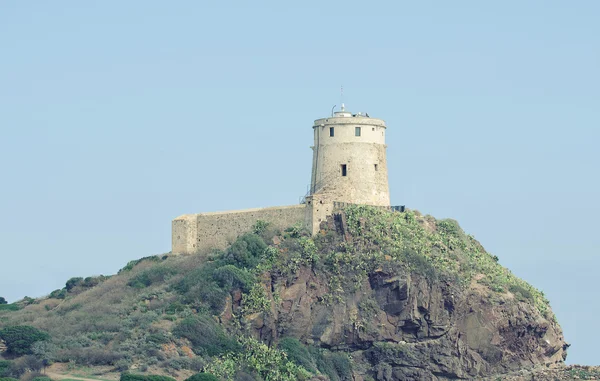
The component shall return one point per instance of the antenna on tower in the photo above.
(342, 96)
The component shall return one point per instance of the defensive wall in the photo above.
(193, 233)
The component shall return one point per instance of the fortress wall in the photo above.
(205, 231)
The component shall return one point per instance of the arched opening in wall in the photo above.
(331, 131)
(375, 167)
(344, 170)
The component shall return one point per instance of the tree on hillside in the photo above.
(3, 301)
(18, 339)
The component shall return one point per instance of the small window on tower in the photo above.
(373, 129)
(344, 172)
(375, 166)
(330, 131)
(356, 131)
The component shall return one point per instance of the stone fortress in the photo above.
(348, 167)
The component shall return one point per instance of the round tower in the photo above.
(349, 160)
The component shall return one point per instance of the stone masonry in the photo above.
(349, 166)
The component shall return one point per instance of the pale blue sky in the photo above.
(116, 117)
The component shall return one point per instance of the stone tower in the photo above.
(349, 164)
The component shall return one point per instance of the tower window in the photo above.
(375, 166)
(373, 129)
(356, 131)
(344, 171)
(331, 131)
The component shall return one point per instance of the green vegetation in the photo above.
(298, 353)
(206, 336)
(41, 378)
(139, 377)
(578, 372)
(202, 377)
(18, 339)
(170, 311)
(2, 300)
(434, 249)
(4, 367)
(268, 363)
(9, 307)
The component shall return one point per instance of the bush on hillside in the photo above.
(131, 264)
(297, 353)
(246, 251)
(3, 301)
(206, 336)
(73, 282)
(202, 377)
(41, 378)
(4, 366)
(335, 365)
(140, 377)
(152, 275)
(58, 294)
(200, 289)
(9, 307)
(22, 365)
(230, 277)
(18, 339)
(89, 356)
(93, 281)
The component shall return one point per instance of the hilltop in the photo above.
(375, 295)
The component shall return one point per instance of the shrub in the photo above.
(8, 379)
(521, 292)
(41, 378)
(268, 363)
(131, 264)
(201, 289)
(256, 300)
(58, 294)
(260, 226)
(342, 365)
(73, 282)
(122, 365)
(335, 365)
(229, 277)
(246, 251)
(4, 366)
(18, 339)
(297, 353)
(9, 307)
(24, 365)
(90, 356)
(150, 276)
(205, 335)
(202, 377)
(93, 281)
(139, 377)
(3, 301)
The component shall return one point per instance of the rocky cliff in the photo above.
(400, 323)
(375, 295)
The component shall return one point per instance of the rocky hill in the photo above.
(377, 295)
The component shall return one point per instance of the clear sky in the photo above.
(118, 116)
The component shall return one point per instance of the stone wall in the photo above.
(193, 233)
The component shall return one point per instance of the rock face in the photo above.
(406, 327)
